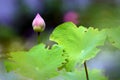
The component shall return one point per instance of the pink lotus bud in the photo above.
(71, 16)
(38, 23)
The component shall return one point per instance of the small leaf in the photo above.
(79, 42)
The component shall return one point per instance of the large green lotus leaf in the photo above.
(79, 42)
(39, 63)
(113, 36)
(80, 75)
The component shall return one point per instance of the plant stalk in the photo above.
(86, 71)
(38, 37)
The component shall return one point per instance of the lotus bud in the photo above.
(71, 16)
(38, 23)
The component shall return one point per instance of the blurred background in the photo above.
(16, 31)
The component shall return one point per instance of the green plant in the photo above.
(75, 46)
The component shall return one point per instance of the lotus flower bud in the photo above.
(38, 23)
(72, 16)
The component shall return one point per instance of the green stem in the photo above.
(38, 37)
(86, 71)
